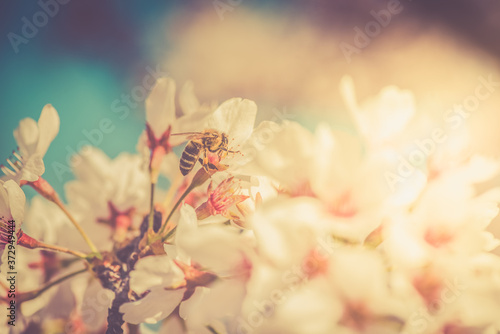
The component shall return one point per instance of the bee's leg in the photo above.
(222, 153)
(205, 157)
(205, 163)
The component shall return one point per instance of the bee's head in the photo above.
(213, 139)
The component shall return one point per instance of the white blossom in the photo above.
(33, 139)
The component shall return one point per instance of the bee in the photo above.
(200, 146)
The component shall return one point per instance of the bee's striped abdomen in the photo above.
(189, 157)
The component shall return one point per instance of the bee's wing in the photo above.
(189, 135)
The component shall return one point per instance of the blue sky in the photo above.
(81, 60)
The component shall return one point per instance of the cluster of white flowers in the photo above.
(279, 230)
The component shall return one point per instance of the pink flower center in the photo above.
(315, 264)
(356, 315)
(213, 158)
(194, 276)
(163, 141)
(303, 189)
(300, 188)
(457, 328)
(343, 206)
(120, 221)
(429, 285)
(438, 236)
(244, 267)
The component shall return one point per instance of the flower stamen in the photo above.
(6, 171)
(221, 199)
(16, 163)
(13, 165)
(18, 156)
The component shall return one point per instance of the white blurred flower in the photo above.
(287, 229)
(331, 167)
(110, 195)
(380, 118)
(287, 291)
(450, 154)
(222, 250)
(33, 139)
(282, 153)
(350, 185)
(368, 305)
(443, 224)
(215, 292)
(310, 283)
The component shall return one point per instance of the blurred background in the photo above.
(95, 60)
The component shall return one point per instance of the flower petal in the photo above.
(160, 106)
(236, 118)
(388, 113)
(286, 145)
(187, 222)
(26, 135)
(157, 305)
(192, 302)
(187, 100)
(154, 271)
(216, 248)
(48, 126)
(17, 200)
(381, 117)
(4, 202)
(33, 168)
(188, 123)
